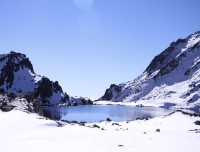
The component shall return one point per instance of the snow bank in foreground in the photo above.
(22, 132)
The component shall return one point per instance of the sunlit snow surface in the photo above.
(179, 86)
(22, 132)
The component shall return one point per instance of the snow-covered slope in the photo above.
(22, 132)
(17, 76)
(172, 77)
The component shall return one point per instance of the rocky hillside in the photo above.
(11, 101)
(17, 76)
(172, 77)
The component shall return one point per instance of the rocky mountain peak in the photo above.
(11, 63)
(169, 59)
(16, 60)
(17, 76)
(112, 91)
(165, 57)
(172, 76)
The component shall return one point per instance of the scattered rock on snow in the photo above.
(197, 122)
(195, 130)
(108, 119)
(143, 118)
(82, 123)
(60, 124)
(95, 126)
(7, 108)
(116, 124)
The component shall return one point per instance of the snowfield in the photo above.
(22, 132)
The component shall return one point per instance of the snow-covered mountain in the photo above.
(17, 76)
(172, 77)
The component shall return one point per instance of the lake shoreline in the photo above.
(160, 133)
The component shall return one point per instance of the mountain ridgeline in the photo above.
(17, 76)
(172, 76)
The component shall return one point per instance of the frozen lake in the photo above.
(96, 113)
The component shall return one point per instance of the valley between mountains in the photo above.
(171, 81)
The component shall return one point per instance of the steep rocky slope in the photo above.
(173, 76)
(18, 76)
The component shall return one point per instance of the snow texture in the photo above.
(172, 77)
(16, 103)
(22, 132)
(17, 76)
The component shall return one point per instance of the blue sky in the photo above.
(87, 45)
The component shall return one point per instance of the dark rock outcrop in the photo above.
(17, 76)
(111, 92)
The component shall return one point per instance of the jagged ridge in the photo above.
(17, 76)
(174, 75)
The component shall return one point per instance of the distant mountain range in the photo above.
(17, 76)
(171, 79)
